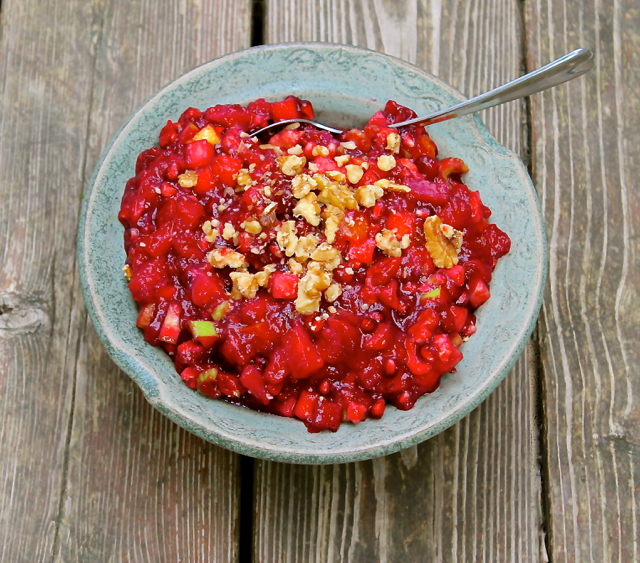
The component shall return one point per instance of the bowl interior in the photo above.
(346, 85)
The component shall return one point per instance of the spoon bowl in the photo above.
(568, 67)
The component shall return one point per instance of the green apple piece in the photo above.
(221, 310)
(204, 332)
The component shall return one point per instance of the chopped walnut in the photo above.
(393, 143)
(295, 266)
(297, 150)
(223, 257)
(390, 245)
(354, 173)
(306, 246)
(342, 160)
(302, 184)
(329, 256)
(349, 145)
(443, 242)
(368, 195)
(310, 288)
(275, 148)
(332, 216)
(309, 209)
(333, 292)
(212, 235)
(263, 276)
(392, 186)
(335, 193)
(206, 227)
(253, 227)
(270, 208)
(189, 179)
(209, 134)
(336, 175)
(244, 179)
(244, 285)
(228, 232)
(386, 162)
(319, 150)
(128, 272)
(291, 165)
(287, 238)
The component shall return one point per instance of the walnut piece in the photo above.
(332, 216)
(333, 292)
(291, 165)
(368, 195)
(287, 238)
(309, 209)
(329, 256)
(306, 246)
(393, 143)
(354, 173)
(392, 186)
(253, 227)
(443, 242)
(389, 243)
(189, 179)
(228, 231)
(244, 285)
(310, 288)
(223, 257)
(244, 179)
(335, 193)
(386, 162)
(302, 184)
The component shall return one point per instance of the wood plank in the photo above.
(473, 492)
(45, 89)
(585, 160)
(139, 488)
(133, 486)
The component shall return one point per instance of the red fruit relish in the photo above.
(305, 275)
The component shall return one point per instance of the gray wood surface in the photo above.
(89, 471)
(586, 161)
(473, 492)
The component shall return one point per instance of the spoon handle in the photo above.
(561, 70)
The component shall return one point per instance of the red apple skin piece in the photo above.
(170, 330)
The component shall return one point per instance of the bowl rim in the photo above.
(124, 360)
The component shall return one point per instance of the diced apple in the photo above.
(221, 310)
(190, 377)
(253, 380)
(204, 332)
(207, 383)
(478, 292)
(170, 329)
(283, 286)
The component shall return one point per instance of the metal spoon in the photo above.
(561, 70)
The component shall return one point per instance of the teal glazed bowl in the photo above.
(346, 85)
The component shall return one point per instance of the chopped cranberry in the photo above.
(301, 275)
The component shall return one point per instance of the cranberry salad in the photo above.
(306, 275)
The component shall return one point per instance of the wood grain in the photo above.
(45, 91)
(89, 471)
(473, 492)
(585, 164)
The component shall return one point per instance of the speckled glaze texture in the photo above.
(346, 85)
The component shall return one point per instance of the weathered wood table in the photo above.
(548, 468)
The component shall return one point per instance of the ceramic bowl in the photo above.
(346, 85)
